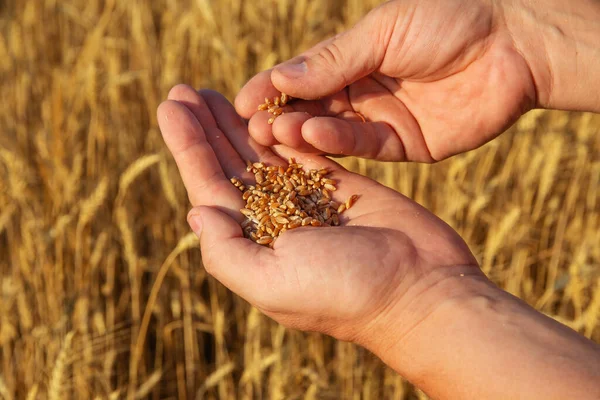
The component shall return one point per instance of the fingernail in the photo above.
(293, 70)
(195, 222)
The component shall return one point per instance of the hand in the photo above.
(388, 253)
(392, 278)
(432, 79)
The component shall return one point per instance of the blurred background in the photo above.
(102, 290)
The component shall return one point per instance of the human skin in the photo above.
(432, 78)
(450, 76)
(393, 277)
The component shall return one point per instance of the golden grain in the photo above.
(351, 200)
(273, 107)
(294, 204)
(264, 240)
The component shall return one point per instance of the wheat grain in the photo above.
(285, 198)
(274, 107)
(264, 240)
(350, 202)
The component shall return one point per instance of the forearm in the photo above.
(561, 42)
(488, 344)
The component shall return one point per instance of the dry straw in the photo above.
(56, 384)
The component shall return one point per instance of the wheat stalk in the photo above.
(145, 388)
(134, 171)
(56, 383)
(4, 392)
(90, 206)
(33, 392)
(188, 241)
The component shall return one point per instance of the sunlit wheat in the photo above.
(93, 235)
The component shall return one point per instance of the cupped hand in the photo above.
(413, 80)
(337, 280)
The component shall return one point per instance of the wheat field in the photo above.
(103, 294)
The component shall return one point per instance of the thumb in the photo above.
(335, 63)
(227, 255)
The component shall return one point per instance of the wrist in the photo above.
(477, 341)
(560, 42)
(414, 311)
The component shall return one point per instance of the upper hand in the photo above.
(387, 253)
(432, 79)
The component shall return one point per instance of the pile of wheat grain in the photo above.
(288, 197)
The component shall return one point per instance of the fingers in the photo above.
(330, 67)
(234, 128)
(375, 140)
(260, 87)
(287, 130)
(300, 110)
(254, 92)
(231, 162)
(198, 165)
(369, 121)
(323, 70)
(309, 161)
(235, 261)
(343, 135)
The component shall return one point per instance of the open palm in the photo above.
(430, 78)
(335, 280)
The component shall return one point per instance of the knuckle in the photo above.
(331, 55)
